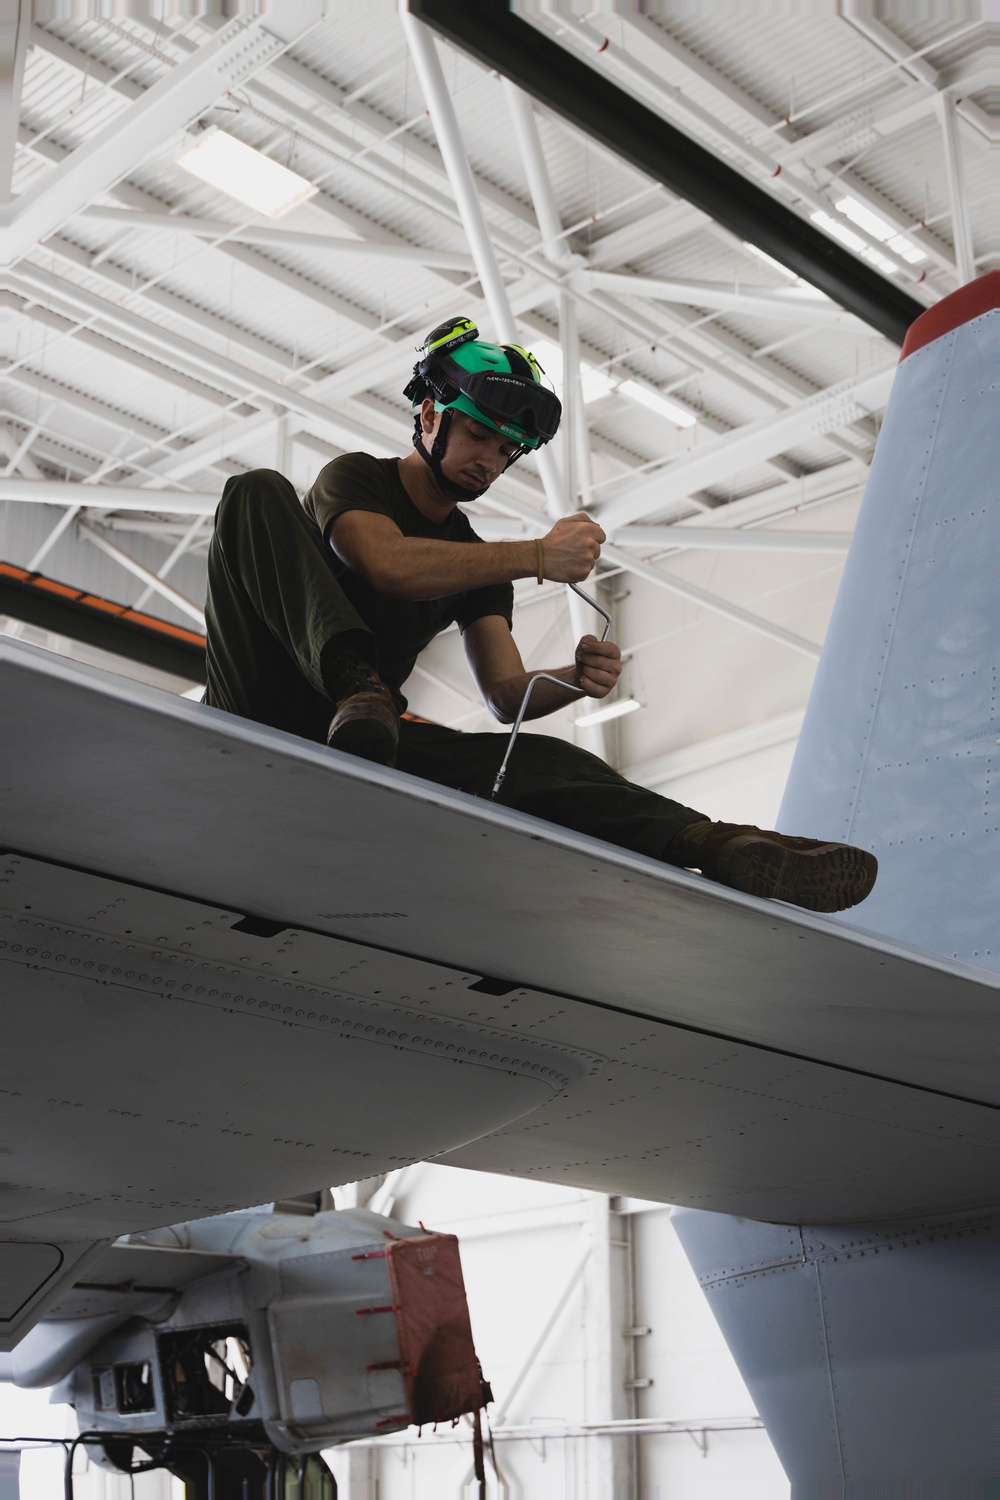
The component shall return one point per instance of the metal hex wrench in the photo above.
(546, 677)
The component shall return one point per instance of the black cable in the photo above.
(209, 1449)
(41, 1442)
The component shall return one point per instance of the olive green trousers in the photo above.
(276, 612)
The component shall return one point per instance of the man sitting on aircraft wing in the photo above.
(317, 613)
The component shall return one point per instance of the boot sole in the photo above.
(830, 878)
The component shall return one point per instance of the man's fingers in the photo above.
(601, 652)
(600, 665)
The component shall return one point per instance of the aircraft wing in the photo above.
(237, 964)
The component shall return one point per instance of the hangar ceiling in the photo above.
(161, 336)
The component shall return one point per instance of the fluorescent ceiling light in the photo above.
(853, 241)
(662, 405)
(246, 175)
(876, 226)
(594, 382)
(612, 711)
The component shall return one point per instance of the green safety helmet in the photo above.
(499, 385)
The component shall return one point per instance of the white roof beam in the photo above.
(652, 232)
(646, 538)
(355, 375)
(961, 228)
(209, 451)
(95, 70)
(719, 751)
(201, 318)
(713, 462)
(758, 115)
(770, 381)
(91, 406)
(575, 440)
(403, 143)
(68, 454)
(677, 538)
(16, 27)
(751, 384)
(107, 497)
(21, 456)
(714, 603)
(180, 307)
(859, 16)
(278, 239)
(787, 150)
(63, 524)
(183, 545)
(427, 64)
(142, 203)
(765, 167)
(720, 341)
(139, 570)
(312, 291)
(252, 383)
(238, 50)
(522, 117)
(101, 344)
(799, 305)
(704, 539)
(387, 136)
(9, 445)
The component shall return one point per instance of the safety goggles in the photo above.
(506, 399)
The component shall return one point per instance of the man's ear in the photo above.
(428, 415)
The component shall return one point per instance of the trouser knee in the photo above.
(260, 494)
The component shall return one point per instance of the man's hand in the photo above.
(598, 666)
(572, 548)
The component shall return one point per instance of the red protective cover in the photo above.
(440, 1367)
(970, 301)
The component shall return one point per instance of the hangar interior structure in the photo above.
(718, 292)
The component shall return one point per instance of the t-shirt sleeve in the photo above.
(492, 599)
(355, 481)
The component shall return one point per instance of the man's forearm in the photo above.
(546, 698)
(419, 568)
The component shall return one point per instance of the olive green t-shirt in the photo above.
(401, 627)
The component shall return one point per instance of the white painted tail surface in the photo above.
(900, 749)
(868, 1348)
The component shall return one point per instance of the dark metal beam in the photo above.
(595, 105)
(98, 622)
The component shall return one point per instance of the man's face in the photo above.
(475, 455)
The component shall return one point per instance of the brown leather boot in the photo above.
(817, 875)
(366, 724)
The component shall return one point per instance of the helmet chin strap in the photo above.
(434, 457)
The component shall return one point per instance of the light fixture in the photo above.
(873, 224)
(246, 174)
(853, 241)
(662, 405)
(594, 383)
(611, 711)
